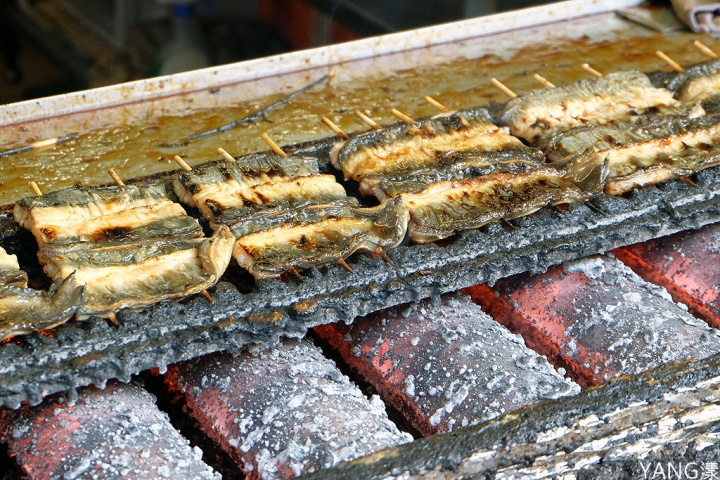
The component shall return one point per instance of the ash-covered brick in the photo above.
(598, 319)
(686, 264)
(114, 433)
(445, 364)
(286, 411)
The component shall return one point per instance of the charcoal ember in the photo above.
(284, 412)
(643, 426)
(114, 433)
(687, 264)
(445, 364)
(598, 319)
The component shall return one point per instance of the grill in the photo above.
(262, 313)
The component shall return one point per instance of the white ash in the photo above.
(635, 323)
(293, 409)
(471, 367)
(116, 433)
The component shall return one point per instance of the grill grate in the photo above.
(39, 365)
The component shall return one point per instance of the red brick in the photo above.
(111, 433)
(445, 364)
(598, 319)
(686, 264)
(284, 412)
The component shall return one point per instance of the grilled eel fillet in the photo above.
(131, 246)
(441, 209)
(404, 148)
(641, 154)
(321, 234)
(538, 115)
(452, 166)
(697, 82)
(10, 273)
(24, 310)
(285, 214)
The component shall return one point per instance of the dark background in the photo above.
(49, 47)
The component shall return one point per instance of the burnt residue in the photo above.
(37, 365)
(629, 420)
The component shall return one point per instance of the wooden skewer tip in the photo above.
(116, 177)
(367, 120)
(345, 264)
(503, 88)
(207, 295)
(590, 70)
(688, 181)
(402, 116)
(182, 163)
(45, 143)
(296, 273)
(36, 189)
(675, 66)
(334, 128)
(705, 49)
(384, 255)
(274, 146)
(226, 155)
(436, 104)
(543, 80)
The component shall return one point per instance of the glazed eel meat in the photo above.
(131, 246)
(24, 310)
(696, 83)
(285, 214)
(645, 152)
(453, 172)
(539, 115)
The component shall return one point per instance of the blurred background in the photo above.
(49, 47)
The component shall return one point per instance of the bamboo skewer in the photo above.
(273, 145)
(115, 177)
(705, 49)
(543, 80)
(402, 116)
(367, 120)
(590, 70)
(344, 264)
(296, 273)
(182, 163)
(207, 295)
(384, 255)
(436, 104)
(688, 181)
(226, 155)
(497, 83)
(38, 145)
(255, 117)
(334, 128)
(36, 190)
(675, 66)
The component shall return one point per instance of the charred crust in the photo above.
(215, 207)
(114, 233)
(48, 233)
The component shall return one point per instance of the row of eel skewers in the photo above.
(129, 246)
